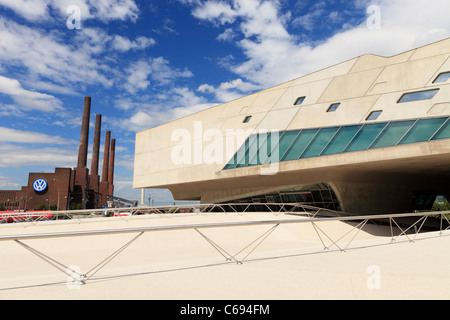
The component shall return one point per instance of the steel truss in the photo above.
(362, 221)
(79, 215)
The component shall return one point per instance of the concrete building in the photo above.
(70, 188)
(369, 135)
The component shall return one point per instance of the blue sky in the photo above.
(147, 62)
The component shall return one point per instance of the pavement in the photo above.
(290, 264)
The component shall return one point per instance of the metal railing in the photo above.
(410, 232)
(281, 208)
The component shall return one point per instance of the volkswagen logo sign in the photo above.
(40, 185)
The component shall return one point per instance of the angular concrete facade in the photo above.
(372, 132)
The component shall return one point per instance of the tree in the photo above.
(441, 206)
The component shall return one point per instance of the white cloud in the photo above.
(274, 56)
(29, 9)
(158, 70)
(124, 44)
(28, 99)
(6, 183)
(50, 87)
(215, 10)
(138, 77)
(11, 110)
(174, 104)
(96, 41)
(23, 156)
(228, 91)
(20, 136)
(316, 15)
(114, 9)
(146, 119)
(105, 10)
(92, 41)
(227, 35)
(45, 55)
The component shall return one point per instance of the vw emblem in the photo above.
(40, 185)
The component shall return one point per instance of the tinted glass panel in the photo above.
(366, 136)
(443, 77)
(264, 147)
(240, 154)
(273, 149)
(286, 141)
(300, 144)
(320, 142)
(250, 145)
(232, 163)
(423, 130)
(417, 96)
(254, 150)
(341, 140)
(444, 133)
(392, 134)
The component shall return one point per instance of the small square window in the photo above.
(299, 101)
(247, 119)
(443, 77)
(374, 115)
(333, 107)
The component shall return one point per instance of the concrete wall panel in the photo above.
(350, 86)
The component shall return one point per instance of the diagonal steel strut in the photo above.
(78, 278)
(230, 257)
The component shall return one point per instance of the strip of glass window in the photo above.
(423, 130)
(273, 148)
(392, 134)
(443, 133)
(238, 156)
(252, 147)
(341, 140)
(291, 145)
(262, 146)
(366, 136)
(234, 161)
(300, 144)
(320, 142)
(286, 141)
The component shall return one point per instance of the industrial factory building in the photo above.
(370, 135)
(67, 188)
